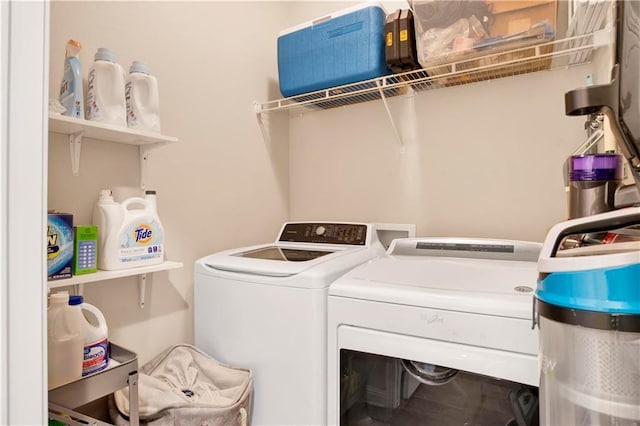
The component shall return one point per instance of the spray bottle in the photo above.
(71, 95)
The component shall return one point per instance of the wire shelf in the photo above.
(480, 66)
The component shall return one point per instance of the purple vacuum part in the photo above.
(596, 167)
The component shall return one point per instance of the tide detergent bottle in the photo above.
(130, 233)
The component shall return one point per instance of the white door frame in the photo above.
(24, 72)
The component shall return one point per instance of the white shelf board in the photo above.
(65, 125)
(108, 275)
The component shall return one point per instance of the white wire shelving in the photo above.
(467, 69)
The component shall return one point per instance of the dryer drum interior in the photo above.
(376, 388)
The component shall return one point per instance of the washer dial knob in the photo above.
(320, 230)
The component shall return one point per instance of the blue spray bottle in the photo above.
(71, 96)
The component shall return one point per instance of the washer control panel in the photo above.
(325, 233)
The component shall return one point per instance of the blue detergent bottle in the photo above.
(71, 96)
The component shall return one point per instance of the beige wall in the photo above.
(480, 160)
(221, 185)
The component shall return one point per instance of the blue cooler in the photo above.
(342, 48)
(588, 311)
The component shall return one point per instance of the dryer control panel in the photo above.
(325, 233)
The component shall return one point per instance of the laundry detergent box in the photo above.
(341, 48)
(59, 245)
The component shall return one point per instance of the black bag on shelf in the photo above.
(400, 41)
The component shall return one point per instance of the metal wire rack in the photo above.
(493, 64)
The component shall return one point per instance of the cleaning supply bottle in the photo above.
(105, 90)
(128, 237)
(65, 341)
(96, 344)
(71, 94)
(141, 93)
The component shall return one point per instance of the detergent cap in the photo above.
(139, 66)
(105, 196)
(72, 49)
(76, 300)
(104, 54)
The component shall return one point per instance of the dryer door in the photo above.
(378, 384)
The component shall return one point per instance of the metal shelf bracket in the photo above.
(75, 144)
(258, 110)
(393, 124)
(142, 288)
(145, 153)
(78, 289)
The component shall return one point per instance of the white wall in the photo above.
(221, 185)
(481, 160)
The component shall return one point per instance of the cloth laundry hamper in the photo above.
(185, 386)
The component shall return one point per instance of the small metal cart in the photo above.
(122, 371)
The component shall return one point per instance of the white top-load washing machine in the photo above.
(264, 307)
(452, 313)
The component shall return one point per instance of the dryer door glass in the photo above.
(376, 389)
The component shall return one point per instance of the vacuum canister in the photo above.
(588, 311)
(593, 182)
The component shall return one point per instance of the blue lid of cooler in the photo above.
(596, 167)
(610, 290)
(75, 300)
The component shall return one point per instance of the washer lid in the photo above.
(283, 254)
(482, 286)
(276, 260)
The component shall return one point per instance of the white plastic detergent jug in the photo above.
(142, 99)
(64, 341)
(96, 344)
(105, 90)
(130, 233)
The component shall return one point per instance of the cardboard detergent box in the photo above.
(60, 245)
(342, 48)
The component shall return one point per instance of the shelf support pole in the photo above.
(393, 124)
(75, 144)
(142, 288)
(258, 111)
(134, 419)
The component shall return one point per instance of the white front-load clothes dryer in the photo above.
(264, 307)
(439, 331)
